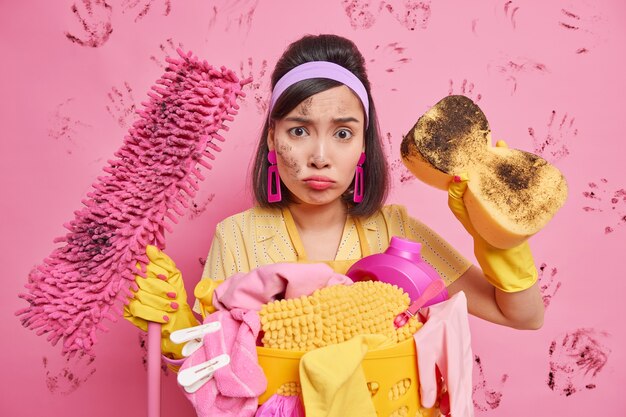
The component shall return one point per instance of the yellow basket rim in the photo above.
(397, 350)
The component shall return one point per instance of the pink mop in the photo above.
(155, 173)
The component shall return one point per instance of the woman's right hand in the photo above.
(510, 270)
(161, 298)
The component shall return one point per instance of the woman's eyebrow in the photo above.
(336, 120)
(298, 119)
(346, 120)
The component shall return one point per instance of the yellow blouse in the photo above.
(259, 236)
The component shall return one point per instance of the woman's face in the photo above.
(318, 145)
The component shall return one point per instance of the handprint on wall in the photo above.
(72, 374)
(602, 200)
(581, 20)
(145, 6)
(575, 360)
(553, 144)
(361, 13)
(63, 128)
(512, 70)
(229, 13)
(391, 56)
(143, 345)
(386, 59)
(505, 12)
(547, 283)
(398, 171)
(168, 49)
(95, 22)
(121, 105)
(199, 206)
(510, 9)
(259, 85)
(411, 14)
(484, 395)
(464, 88)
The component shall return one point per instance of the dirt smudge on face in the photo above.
(283, 151)
(304, 108)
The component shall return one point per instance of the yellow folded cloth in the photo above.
(333, 382)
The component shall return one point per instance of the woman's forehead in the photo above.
(338, 100)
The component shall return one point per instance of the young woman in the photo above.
(320, 182)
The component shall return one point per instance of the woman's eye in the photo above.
(343, 134)
(298, 131)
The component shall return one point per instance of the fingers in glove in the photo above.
(157, 287)
(165, 305)
(142, 311)
(156, 271)
(456, 190)
(152, 270)
(175, 278)
(458, 185)
(162, 266)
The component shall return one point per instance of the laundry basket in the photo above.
(391, 375)
(390, 372)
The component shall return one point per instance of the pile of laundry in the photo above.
(310, 308)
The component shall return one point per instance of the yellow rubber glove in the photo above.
(510, 270)
(161, 298)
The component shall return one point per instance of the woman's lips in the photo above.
(319, 183)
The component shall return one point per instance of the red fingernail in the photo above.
(457, 178)
(166, 318)
(174, 305)
(161, 276)
(171, 294)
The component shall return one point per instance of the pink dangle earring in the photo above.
(273, 178)
(358, 180)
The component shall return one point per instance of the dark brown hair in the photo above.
(340, 51)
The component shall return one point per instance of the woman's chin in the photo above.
(318, 198)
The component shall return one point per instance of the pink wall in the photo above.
(548, 75)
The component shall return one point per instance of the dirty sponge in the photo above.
(511, 194)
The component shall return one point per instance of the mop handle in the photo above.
(154, 369)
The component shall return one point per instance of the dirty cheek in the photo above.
(284, 153)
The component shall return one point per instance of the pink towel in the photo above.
(266, 283)
(281, 406)
(444, 342)
(235, 388)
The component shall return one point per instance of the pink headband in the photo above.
(321, 69)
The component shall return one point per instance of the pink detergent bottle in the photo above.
(402, 265)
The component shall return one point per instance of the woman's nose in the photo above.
(318, 162)
(319, 155)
